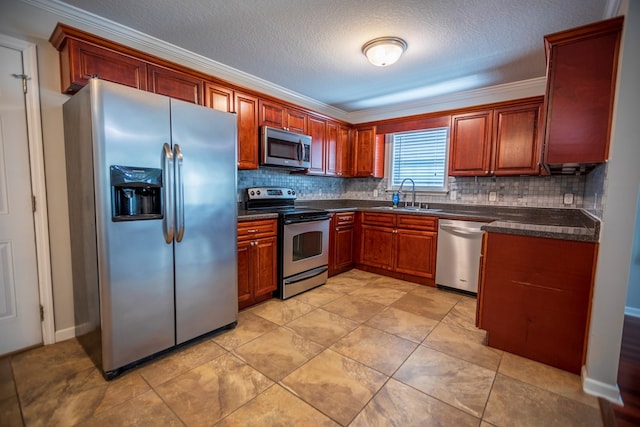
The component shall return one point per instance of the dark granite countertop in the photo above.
(244, 215)
(567, 224)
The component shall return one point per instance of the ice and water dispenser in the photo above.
(136, 193)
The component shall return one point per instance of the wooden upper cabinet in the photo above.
(331, 148)
(516, 148)
(218, 97)
(317, 130)
(175, 84)
(581, 80)
(343, 152)
(79, 61)
(280, 116)
(246, 107)
(504, 140)
(470, 148)
(365, 152)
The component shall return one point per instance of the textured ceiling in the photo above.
(313, 47)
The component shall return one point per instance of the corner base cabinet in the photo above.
(257, 257)
(535, 296)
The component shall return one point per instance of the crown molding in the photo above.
(491, 94)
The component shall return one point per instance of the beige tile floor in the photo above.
(362, 350)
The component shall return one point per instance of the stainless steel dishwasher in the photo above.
(458, 255)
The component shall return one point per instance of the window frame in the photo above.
(388, 167)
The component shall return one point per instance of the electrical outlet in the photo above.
(493, 196)
(568, 199)
(375, 193)
(453, 194)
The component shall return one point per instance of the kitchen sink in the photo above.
(407, 209)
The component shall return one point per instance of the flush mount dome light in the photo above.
(384, 51)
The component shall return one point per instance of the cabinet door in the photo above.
(79, 61)
(343, 152)
(415, 252)
(581, 81)
(266, 267)
(247, 111)
(517, 140)
(364, 151)
(377, 246)
(165, 81)
(343, 247)
(272, 114)
(296, 121)
(331, 149)
(245, 273)
(218, 97)
(317, 131)
(470, 148)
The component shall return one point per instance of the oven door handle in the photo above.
(307, 219)
(306, 275)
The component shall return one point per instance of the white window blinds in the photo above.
(421, 156)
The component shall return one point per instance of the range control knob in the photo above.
(258, 192)
(293, 192)
(289, 192)
(252, 193)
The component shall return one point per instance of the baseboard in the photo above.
(611, 392)
(72, 332)
(65, 334)
(632, 311)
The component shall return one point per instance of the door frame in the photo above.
(38, 185)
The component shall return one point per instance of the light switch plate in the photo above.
(375, 193)
(493, 196)
(568, 199)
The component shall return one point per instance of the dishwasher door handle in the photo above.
(467, 231)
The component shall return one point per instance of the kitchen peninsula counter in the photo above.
(555, 223)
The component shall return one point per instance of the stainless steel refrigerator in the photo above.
(153, 210)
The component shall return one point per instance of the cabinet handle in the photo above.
(253, 230)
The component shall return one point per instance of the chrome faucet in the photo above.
(413, 191)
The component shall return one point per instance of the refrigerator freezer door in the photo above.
(205, 258)
(135, 263)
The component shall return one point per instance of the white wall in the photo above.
(619, 213)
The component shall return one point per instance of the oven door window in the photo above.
(307, 245)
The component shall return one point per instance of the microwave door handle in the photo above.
(300, 151)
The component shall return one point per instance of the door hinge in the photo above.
(41, 313)
(24, 78)
(33, 203)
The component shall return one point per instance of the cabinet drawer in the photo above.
(345, 218)
(417, 222)
(383, 219)
(257, 229)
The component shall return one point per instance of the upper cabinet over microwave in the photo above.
(284, 149)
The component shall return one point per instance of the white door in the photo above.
(19, 295)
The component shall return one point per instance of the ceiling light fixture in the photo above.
(384, 51)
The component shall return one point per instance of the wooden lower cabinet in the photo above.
(535, 295)
(401, 244)
(257, 258)
(341, 240)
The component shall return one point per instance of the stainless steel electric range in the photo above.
(303, 239)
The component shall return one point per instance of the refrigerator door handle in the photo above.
(177, 153)
(167, 181)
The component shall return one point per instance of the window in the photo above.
(419, 155)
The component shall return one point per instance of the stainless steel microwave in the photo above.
(284, 149)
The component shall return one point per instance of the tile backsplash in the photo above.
(534, 191)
